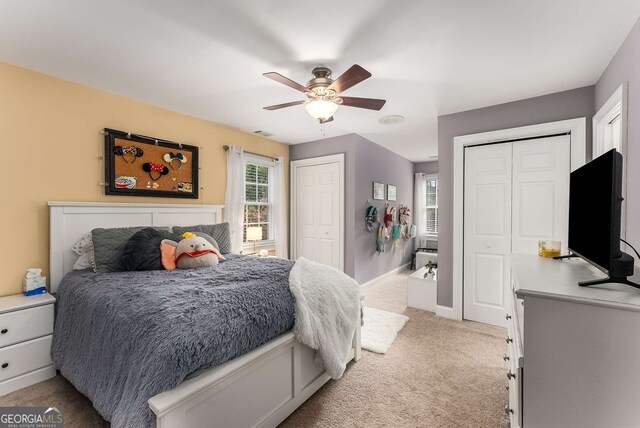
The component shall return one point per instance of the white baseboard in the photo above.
(373, 281)
(444, 312)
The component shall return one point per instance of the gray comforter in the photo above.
(122, 338)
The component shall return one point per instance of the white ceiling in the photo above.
(427, 57)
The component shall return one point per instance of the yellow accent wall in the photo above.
(50, 143)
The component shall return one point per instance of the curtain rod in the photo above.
(226, 149)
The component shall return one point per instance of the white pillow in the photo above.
(83, 249)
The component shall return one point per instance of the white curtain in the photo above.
(279, 210)
(234, 196)
(419, 204)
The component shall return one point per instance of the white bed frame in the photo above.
(258, 389)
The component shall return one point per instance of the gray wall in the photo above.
(548, 108)
(625, 66)
(346, 144)
(375, 163)
(365, 162)
(426, 167)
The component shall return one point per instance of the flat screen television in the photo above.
(595, 215)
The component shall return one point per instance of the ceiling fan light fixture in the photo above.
(321, 109)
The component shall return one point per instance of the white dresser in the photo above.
(26, 327)
(573, 352)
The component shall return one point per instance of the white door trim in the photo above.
(578, 129)
(339, 158)
(616, 104)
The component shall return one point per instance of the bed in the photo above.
(256, 388)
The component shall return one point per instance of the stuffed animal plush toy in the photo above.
(193, 251)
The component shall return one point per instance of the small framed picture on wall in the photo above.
(391, 192)
(378, 191)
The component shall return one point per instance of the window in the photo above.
(258, 197)
(432, 206)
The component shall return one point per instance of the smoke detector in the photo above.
(393, 119)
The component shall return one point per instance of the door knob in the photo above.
(507, 316)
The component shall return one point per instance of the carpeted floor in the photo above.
(438, 373)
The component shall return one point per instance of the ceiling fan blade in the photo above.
(279, 106)
(326, 120)
(368, 103)
(285, 81)
(349, 78)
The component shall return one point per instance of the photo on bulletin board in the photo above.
(138, 165)
(391, 192)
(378, 191)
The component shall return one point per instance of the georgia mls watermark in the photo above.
(31, 417)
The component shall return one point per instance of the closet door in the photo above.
(515, 195)
(541, 170)
(318, 213)
(487, 232)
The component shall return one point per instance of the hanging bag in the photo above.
(381, 239)
(404, 215)
(371, 218)
(389, 214)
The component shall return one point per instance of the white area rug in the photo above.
(380, 329)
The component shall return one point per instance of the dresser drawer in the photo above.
(25, 324)
(25, 357)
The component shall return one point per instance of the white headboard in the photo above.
(69, 221)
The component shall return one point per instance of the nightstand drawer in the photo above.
(25, 357)
(26, 324)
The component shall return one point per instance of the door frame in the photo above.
(337, 158)
(578, 130)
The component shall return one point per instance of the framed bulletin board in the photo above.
(138, 165)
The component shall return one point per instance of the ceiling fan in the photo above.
(323, 93)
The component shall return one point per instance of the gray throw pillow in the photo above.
(108, 246)
(219, 232)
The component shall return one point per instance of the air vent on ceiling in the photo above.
(263, 133)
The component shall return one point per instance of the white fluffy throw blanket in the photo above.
(327, 311)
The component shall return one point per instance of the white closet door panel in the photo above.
(318, 213)
(541, 170)
(487, 232)
(307, 218)
(489, 281)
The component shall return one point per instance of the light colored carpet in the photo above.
(380, 329)
(438, 373)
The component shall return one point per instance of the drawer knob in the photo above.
(510, 375)
(506, 387)
(4, 330)
(506, 358)
(5, 365)
(509, 340)
(507, 316)
(507, 410)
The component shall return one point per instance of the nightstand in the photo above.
(26, 328)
